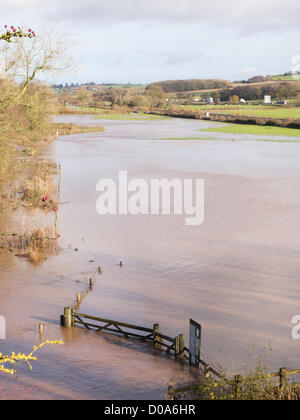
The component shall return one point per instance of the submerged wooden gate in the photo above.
(175, 346)
(71, 318)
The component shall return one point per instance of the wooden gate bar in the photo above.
(99, 328)
(109, 321)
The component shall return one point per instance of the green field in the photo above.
(122, 86)
(255, 130)
(251, 110)
(286, 78)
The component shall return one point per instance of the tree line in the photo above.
(172, 86)
(251, 93)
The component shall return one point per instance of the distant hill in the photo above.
(254, 88)
(174, 86)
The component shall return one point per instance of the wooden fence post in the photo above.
(78, 297)
(283, 377)
(181, 346)
(238, 382)
(41, 331)
(67, 318)
(156, 340)
(176, 346)
(72, 317)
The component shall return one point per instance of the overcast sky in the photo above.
(149, 40)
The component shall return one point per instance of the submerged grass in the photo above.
(33, 246)
(131, 117)
(64, 129)
(80, 110)
(116, 113)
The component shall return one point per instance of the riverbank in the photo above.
(30, 183)
(209, 114)
(258, 384)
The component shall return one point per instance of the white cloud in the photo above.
(246, 16)
(139, 39)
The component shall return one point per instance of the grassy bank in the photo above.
(250, 110)
(229, 116)
(258, 384)
(255, 130)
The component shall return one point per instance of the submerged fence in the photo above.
(173, 346)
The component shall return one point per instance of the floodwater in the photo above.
(237, 274)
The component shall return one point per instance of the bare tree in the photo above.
(120, 96)
(44, 54)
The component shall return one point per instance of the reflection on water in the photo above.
(237, 274)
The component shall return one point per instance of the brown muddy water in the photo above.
(237, 274)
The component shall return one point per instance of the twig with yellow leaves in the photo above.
(13, 359)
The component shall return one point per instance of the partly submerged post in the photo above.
(67, 318)
(181, 346)
(41, 331)
(176, 346)
(238, 382)
(156, 339)
(283, 377)
(72, 317)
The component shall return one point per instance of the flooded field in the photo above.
(237, 274)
